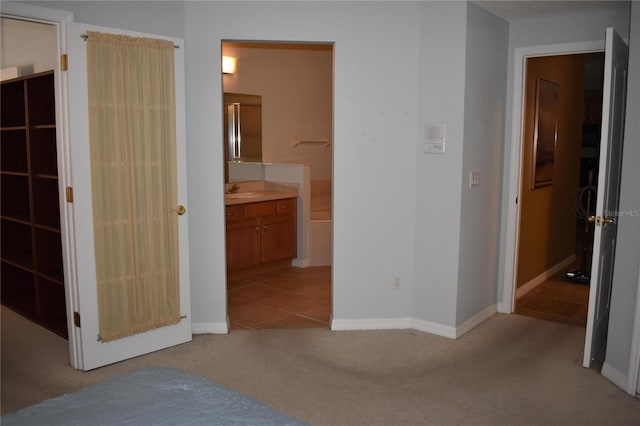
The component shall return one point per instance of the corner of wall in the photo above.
(210, 328)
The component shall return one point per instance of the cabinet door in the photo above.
(278, 238)
(243, 244)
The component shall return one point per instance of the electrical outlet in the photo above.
(395, 284)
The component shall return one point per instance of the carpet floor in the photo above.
(510, 370)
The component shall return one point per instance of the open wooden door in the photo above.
(604, 243)
(87, 350)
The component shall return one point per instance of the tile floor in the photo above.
(285, 297)
(289, 297)
(556, 300)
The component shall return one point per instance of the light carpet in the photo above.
(511, 370)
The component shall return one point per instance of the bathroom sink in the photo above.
(248, 194)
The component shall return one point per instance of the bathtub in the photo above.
(320, 224)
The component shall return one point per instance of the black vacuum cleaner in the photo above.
(583, 205)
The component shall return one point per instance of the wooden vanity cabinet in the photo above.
(260, 232)
(243, 238)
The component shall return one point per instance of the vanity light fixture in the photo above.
(229, 65)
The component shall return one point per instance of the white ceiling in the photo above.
(521, 9)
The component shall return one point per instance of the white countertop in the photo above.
(254, 191)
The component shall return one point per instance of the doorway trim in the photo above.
(59, 19)
(520, 56)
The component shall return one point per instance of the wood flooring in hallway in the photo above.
(556, 299)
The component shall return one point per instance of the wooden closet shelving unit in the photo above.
(31, 256)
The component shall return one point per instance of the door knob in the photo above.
(602, 220)
(181, 210)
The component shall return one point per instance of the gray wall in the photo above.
(559, 29)
(154, 17)
(398, 212)
(485, 95)
(442, 47)
(374, 139)
(625, 275)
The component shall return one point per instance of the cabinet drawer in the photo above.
(286, 207)
(233, 213)
(262, 208)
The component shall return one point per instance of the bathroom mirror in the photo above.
(242, 137)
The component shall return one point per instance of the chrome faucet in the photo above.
(234, 188)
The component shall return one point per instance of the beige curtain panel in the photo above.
(132, 134)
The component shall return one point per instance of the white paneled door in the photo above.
(611, 139)
(87, 351)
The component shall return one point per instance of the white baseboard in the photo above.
(475, 320)
(209, 328)
(301, 262)
(414, 324)
(530, 285)
(614, 376)
(371, 324)
(401, 324)
(434, 328)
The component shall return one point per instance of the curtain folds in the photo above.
(132, 131)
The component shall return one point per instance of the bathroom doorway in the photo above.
(295, 84)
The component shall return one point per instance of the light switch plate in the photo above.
(474, 179)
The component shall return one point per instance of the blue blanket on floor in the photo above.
(151, 396)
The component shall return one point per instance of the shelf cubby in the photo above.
(14, 151)
(18, 290)
(52, 307)
(15, 197)
(17, 247)
(49, 254)
(12, 103)
(46, 206)
(42, 101)
(31, 256)
(44, 160)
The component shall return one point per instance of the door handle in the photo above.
(181, 210)
(602, 220)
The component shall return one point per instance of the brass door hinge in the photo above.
(64, 62)
(69, 192)
(76, 319)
